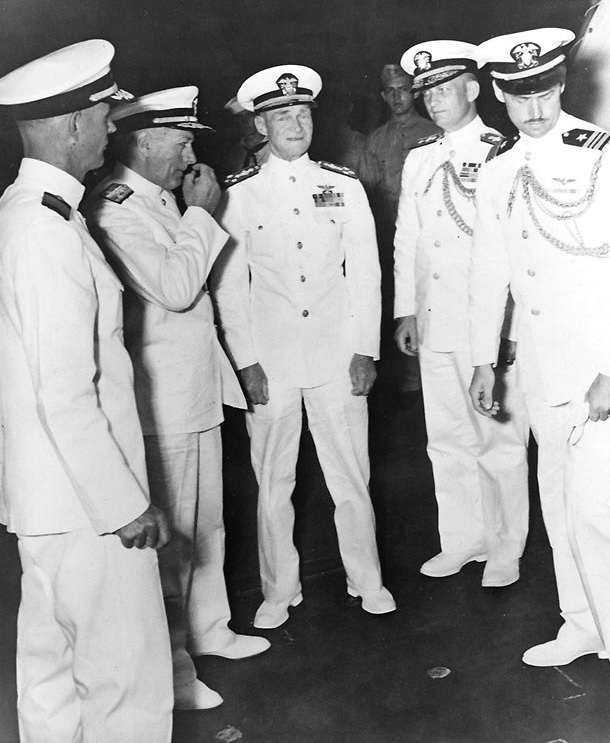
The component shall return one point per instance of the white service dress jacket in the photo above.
(73, 455)
(432, 252)
(560, 286)
(298, 285)
(182, 374)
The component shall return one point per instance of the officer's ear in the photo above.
(260, 124)
(143, 141)
(75, 124)
(472, 90)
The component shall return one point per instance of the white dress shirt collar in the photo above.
(463, 135)
(139, 184)
(552, 137)
(46, 177)
(278, 165)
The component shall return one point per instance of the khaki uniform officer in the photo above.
(182, 375)
(542, 228)
(479, 464)
(299, 305)
(74, 485)
(380, 170)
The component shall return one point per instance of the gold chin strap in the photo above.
(536, 196)
(450, 176)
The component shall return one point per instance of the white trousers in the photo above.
(185, 476)
(93, 657)
(574, 483)
(479, 464)
(338, 422)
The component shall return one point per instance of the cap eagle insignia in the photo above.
(423, 61)
(287, 83)
(526, 55)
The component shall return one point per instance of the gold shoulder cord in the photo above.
(467, 193)
(533, 191)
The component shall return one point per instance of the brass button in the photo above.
(260, 227)
(292, 179)
(531, 272)
(437, 243)
(302, 278)
(439, 213)
(528, 155)
(525, 234)
(535, 311)
(305, 313)
(299, 245)
(295, 211)
(436, 275)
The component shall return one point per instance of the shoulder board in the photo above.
(337, 168)
(422, 141)
(491, 138)
(241, 175)
(116, 192)
(594, 139)
(504, 145)
(57, 204)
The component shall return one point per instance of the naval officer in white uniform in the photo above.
(542, 229)
(182, 375)
(93, 656)
(299, 304)
(479, 464)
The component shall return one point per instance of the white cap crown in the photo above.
(70, 79)
(434, 62)
(279, 86)
(175, 108)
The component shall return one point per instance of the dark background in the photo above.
(216, 44)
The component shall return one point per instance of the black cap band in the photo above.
(175, 118)
(64, 103)
(534, 83)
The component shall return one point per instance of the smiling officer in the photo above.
(299, 304)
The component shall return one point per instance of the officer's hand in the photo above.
(405, 335)
(362, 373)
(255, 382)
(481, 391)
(200, 188)
(150, 529)
(598, 397)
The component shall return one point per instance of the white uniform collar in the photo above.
(138, 183)
(466, 133)
(552, 137)
(53, 180)
(284, 166)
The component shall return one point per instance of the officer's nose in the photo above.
(110, 125)
(189, 155)
(535, 109)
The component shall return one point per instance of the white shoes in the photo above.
(196, 695)
(238, 646)
(449, 563)
(568, 646)
(270, 615)
(500, 574)
(375, 602)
